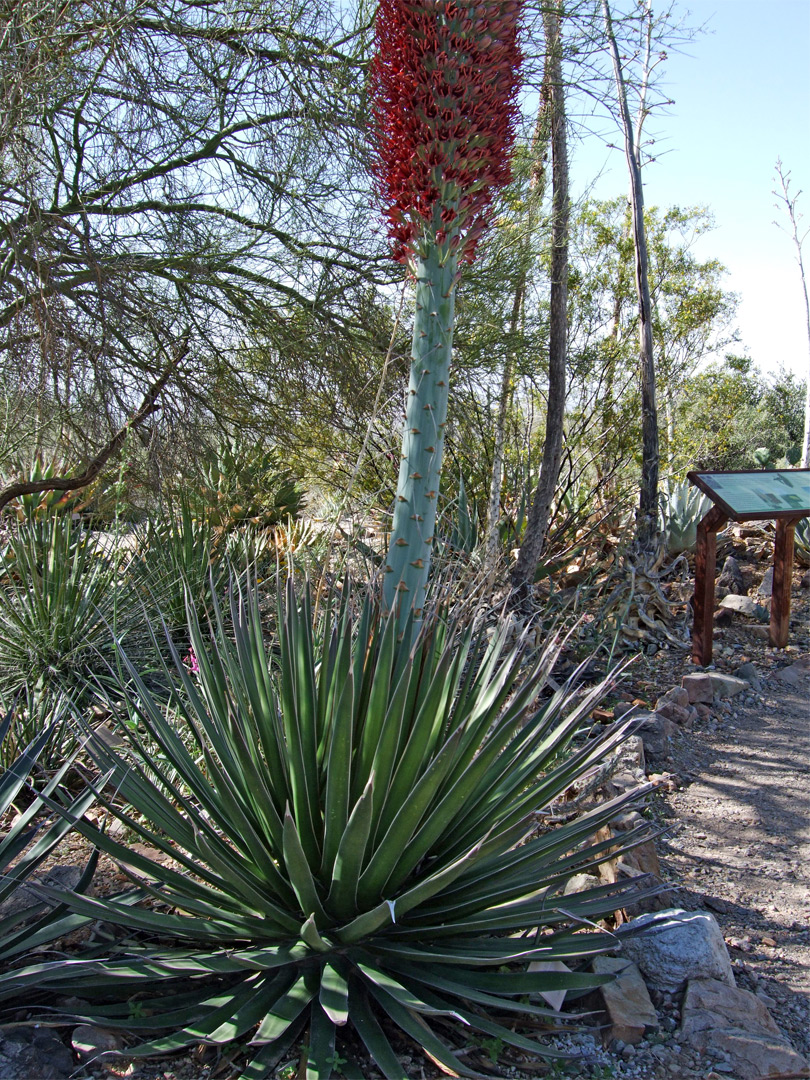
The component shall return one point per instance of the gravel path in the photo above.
(739, 844)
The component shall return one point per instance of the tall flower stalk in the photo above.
(444, 85)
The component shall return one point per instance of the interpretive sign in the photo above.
(766, 493)
(782, 495)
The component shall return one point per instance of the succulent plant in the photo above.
(444, 83)
(801, 542)
(351, 842)
(681, 508)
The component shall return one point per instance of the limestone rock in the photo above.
(676, 946)
(722, 1019)
(699, 688)
(627, 1003)
(28, 1052)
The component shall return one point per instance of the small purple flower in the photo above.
(192, 663)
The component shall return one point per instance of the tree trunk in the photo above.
(647, 517)
(538, 520)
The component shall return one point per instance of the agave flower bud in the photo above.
(444, 85)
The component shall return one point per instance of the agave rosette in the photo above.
(352, 829)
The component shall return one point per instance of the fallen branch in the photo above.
(72, 483)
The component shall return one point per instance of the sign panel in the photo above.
(764, 493)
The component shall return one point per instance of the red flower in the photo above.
(444, 83)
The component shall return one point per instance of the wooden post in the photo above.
(782, 574)
(705, 563)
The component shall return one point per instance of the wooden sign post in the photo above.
(782, 495)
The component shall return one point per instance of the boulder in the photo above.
(723, 1020)
(627, 1003)
(33, 1052)
(676, 946)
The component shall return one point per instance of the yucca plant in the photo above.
(354, 842)
(60, 605)
(27, 839)
(681, 509)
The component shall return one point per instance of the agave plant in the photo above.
(177, 561)
(28, 839)
(59, 599)
(353, 840)
(247, 485)
(444, 84)
(801, 541)
(681, 508)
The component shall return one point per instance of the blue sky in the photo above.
(742, 100)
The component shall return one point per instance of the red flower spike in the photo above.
(444, 84)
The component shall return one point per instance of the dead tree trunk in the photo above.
(538, 519)
(647, 516)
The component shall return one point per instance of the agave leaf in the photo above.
(321, 1053)
(338, 771)
(372, 1034)
(342, 898)
(334, 994)
(401, 993)
(288, 1008)
(421, 1033)
(298, 868)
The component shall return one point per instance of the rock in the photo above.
(723, 617)
(796, 675)
(805, 581)
(676, 696)
(734, 1024)
(726, 686)
(90, 1042)
(762, 632)
(750, 674)
(33, 1053)
(744, 605)
(676, 713)
(766, 585)
(624, 709)
(580, 883)
(630, 1012)
(656, 733)
(698, 688)
(24, 896)
(676, 946)
(731, 576)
